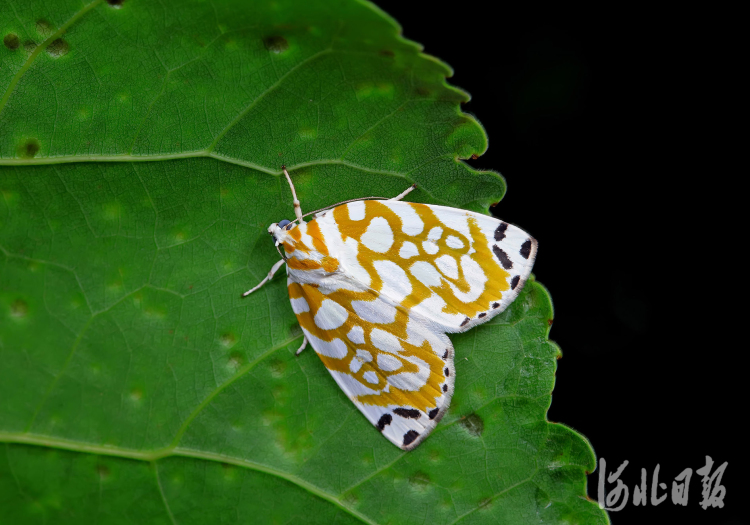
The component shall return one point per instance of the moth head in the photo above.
(278, 230)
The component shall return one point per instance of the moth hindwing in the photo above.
(377, 284)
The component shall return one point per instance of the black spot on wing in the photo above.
(445, 355)
(495, 305)
(482, 314)
(514, 282)
(503, 257)
(525, 249)
(407, 413)
(410, 436)
(447, 371)
(445, 387)
(465, 321)
(500, 231)
(384, 420)
(433, 413)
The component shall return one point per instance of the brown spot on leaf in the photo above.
(474, 424)
(419, 480)
(236, 360)
(19, 308)
(11, 41)
(58, 48)
(350, 499)
(28, 149)
(278, 367)
(228, 339)
(276, 44)
(44, 27)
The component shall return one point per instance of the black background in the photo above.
(607, 127)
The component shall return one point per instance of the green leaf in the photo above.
(140, 153)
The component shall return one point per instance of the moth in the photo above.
(376, 284)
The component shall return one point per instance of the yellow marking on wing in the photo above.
(329, 264)
(302, 264)
(313, 230)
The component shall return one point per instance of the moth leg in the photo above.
(303, 346)
(404, 194)
(268, 277)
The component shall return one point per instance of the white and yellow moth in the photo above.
(376, 285)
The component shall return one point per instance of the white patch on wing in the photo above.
(396, 283)
(378, 312)
(371, 377)
(454, 242)
(334, 282)
(388, 363)
(408, 250)
(362, 357)
(350, 385)
(336, 348)
(355, 365)
(411, 223)
(425, 273)
(385, 341)
(474, 276)
(430, 247)
(378, 237)
(435, 234)
(356, 210)
(411, 381)
(448, 266)
(429, 327)
(432, 309)
(350, 265)
(453, 218)
(356, 335)
(330, 315)
(299, 305)
(415, 331)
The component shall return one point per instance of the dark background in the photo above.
(607, 127)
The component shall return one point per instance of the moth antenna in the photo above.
(396, 198)
(344, 202)
(405, 193)
(297, 208)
